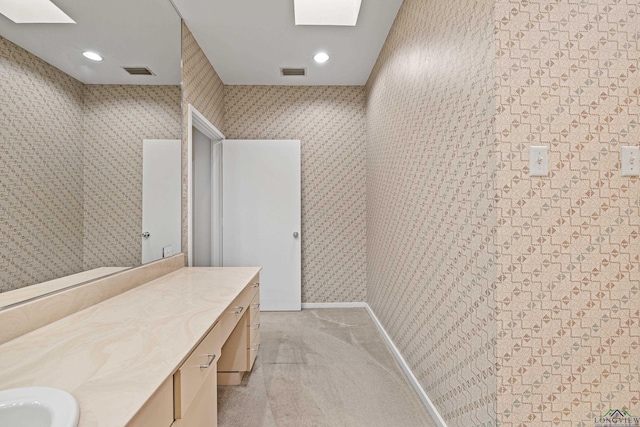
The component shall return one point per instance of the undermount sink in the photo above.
(38, 407)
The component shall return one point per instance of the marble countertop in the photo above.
(114, 355)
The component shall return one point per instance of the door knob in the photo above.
(146, 234)
(295, 234)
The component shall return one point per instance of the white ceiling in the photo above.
(247, 41)
(125, 32)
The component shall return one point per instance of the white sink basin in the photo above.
(38, 407)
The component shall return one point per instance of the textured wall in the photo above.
(431, 201)
(71, 168)
(568, 289)
(329, 122)
(117, 118)
(202, 88)
(41, 200)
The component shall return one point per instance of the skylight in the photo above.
(34, 12)
(327, 12)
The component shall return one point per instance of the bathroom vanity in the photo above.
(152, 356)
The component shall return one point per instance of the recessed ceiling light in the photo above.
(327, 12)
(321, 57)
(34, 12)
(92, 56)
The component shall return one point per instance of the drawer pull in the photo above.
(255, 326)
(257, 305)
(239, 309)
(255, 347)
(210, 362)
(256, 285)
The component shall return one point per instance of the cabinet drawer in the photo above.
(195, 371)
(255, 303)
(158, 411)
(236, 310)
(255, 339)
(253, 353)
(254, 328)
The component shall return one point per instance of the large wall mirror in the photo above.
(88, 150)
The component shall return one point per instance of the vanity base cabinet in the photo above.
(189, 398)
(158, 411)
(241, 348)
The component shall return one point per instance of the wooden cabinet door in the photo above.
(203, 411)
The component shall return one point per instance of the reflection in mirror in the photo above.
(71, 144)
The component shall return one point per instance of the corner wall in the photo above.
(41, 183)
(202, 88)
(71, 168)
(431, 214)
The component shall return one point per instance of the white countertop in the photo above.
(114, 355)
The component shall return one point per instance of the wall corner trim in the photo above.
(437, 418)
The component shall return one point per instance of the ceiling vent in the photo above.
(293, 72)
(139, 71)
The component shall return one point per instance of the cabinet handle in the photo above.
(255, 305)
(255, 326)
(256, 285)
(210, 362)
(239, 308)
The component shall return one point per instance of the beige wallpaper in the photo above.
(71, 168)
(431, 214)
(563, 269)
(568, 290)
(202, 88)
(329, 122)
(116, 120)
(41, 197)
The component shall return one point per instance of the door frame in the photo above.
(195, 119)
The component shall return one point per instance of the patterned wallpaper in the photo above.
(117, 118)
(71, 168)
(569, 280)
(41, 198)
(431, 214)
(329, 122)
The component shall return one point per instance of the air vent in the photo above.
(293, 71)
(139, 71)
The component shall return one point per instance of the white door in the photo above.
(261, 216)
(161, 195)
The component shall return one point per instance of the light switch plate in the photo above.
(538, 160)
(630, 163)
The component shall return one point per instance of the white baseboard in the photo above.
(437, 418)
(308, 305)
